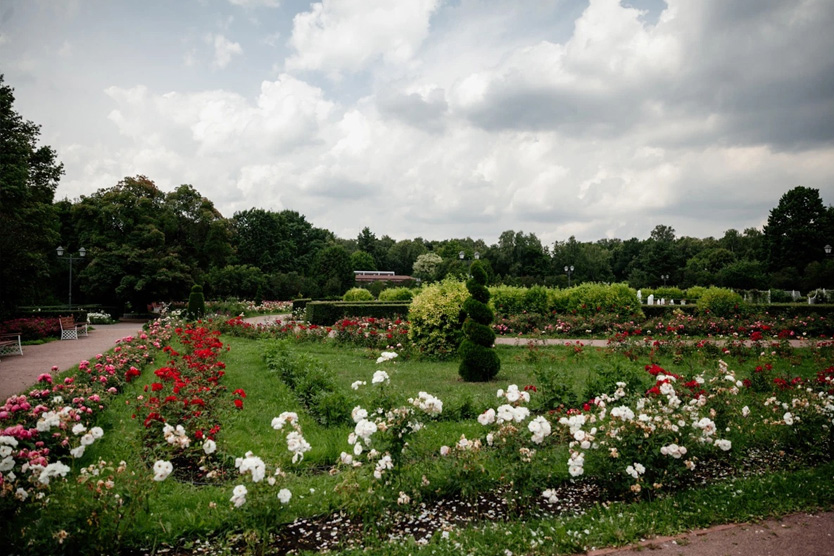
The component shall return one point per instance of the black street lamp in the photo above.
(462, 257)
(569, 271)
(81, 253)
(827, 249)
(664, 277)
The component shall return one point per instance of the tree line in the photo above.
(144, 245)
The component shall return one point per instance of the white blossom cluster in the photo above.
(176, 436)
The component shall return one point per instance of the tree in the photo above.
(276, 241)
(362, 260)
(403, 254)
(797, 229)
(130, 257)
(332, 271)
(426, 265)
(29, 175)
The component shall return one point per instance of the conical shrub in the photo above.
(479, 362)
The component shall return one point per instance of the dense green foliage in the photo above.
(478, 360)
(436, 318)
(29, 175)
(721, 302)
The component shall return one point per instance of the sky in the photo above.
(439, 118)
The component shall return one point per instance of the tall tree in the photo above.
(797, 230)
(130, 257)
(29, 175)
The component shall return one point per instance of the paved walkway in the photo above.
(18, 373)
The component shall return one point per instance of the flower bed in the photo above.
(32, 328)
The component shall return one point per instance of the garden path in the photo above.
(792, 535)
(18, 373)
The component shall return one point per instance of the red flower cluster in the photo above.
(188, 390)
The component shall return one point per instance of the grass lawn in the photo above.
(137, 514)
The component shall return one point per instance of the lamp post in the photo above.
(462, 257)
(664, 277)
(81, 253)
(569, 271)
(827, 249)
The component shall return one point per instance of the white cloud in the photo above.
(224, 49)
(338, 36)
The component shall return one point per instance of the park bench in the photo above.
(70, 330)
(10, 344)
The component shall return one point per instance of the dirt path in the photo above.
(793, 535)
(18, 373)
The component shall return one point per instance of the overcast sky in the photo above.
(440, 118)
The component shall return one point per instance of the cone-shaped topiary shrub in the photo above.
(479, 362)
(196, 302)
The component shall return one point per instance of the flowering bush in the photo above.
(54, 420)
(379, 442)
(32, 328)
(182, 403)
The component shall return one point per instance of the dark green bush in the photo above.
(326, 313)
(479, 362)
(478, 333)
(311, 381)
(196, 303)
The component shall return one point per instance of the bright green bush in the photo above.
(695, 292)
(591, 299)
(358, 294)
(396, 294)
(669, 292)
(721, 302)
(508, 300)
(435, 317)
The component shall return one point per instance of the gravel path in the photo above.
(18, 373)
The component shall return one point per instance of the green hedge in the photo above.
(325, 313)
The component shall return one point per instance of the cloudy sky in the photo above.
(440, 118)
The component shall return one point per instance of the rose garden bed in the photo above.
(209, 447)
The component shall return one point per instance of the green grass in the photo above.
(171, 512)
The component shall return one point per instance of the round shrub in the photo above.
(721, 302)
(435, 317)
(477, 291)
(358, 294)
(478, 333)
(478, 311)
(478, 363)
(396, 294)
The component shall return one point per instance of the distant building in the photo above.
(368, 276)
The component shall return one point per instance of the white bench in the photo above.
(10, 344)
(70, 330)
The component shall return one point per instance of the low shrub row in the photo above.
(312, 382)
(325, 313)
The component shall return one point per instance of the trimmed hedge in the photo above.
(325, 313)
